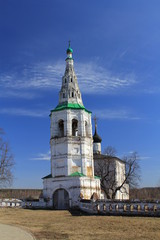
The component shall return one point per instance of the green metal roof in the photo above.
(96, 177)
(70, 106)
(77, 174)
(69, 50)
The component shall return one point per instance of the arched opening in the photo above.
(72, 94)
(71, 79)
(61, 128)
(61, 199)
(74, 127)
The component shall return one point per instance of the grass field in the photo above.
(48, 224)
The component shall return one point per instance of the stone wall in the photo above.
(126, 208)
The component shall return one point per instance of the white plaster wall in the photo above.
(97, 148)
(75, 186)
(70, 149)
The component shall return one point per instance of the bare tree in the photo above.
(6, 162)
(133, 173)
(113, 181)
(110, 151)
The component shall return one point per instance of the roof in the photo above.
(99, 157)
(96, 137)
(69, 50)
(67, 105)
(77, 174)
(48, 176)
(96, 177)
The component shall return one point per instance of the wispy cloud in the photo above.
(120, 114)
(96, 79)
(13, 93)
(92, 78)
(110, 114)
(42, 156)
(24, 112)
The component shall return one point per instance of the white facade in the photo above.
(71, 143)
(97, 148)
(114, 170)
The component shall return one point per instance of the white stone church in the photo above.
(72, 165)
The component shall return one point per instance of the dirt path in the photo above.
(8, 232)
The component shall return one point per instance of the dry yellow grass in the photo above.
(48, 224)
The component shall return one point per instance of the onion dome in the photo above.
(69, 50)
(96, 137)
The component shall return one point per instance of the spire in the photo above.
(70, 92)
(96, 137)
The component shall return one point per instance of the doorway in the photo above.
(61, 199)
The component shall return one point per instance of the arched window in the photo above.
(63, 95)
(71, 79)
(74, 127)
(72, 94)
(65, 80)
(61, 128)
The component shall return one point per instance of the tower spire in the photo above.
(70, 92)
(69, 43)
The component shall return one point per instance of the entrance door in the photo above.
(61, 199)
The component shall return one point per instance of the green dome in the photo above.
(69, 50)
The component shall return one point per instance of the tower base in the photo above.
(66, 192)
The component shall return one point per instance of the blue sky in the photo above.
(117, 59)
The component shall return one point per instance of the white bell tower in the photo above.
(72, 168)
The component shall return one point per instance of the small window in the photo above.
(63, 95)
(71, 79)
(72, 94)
(65, 80)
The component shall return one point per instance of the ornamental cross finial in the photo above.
(95, 120)
(69, 43)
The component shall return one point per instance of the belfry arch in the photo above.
(74, 127)
(61, 128)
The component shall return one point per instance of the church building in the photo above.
(111, 170)
(72, 168)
